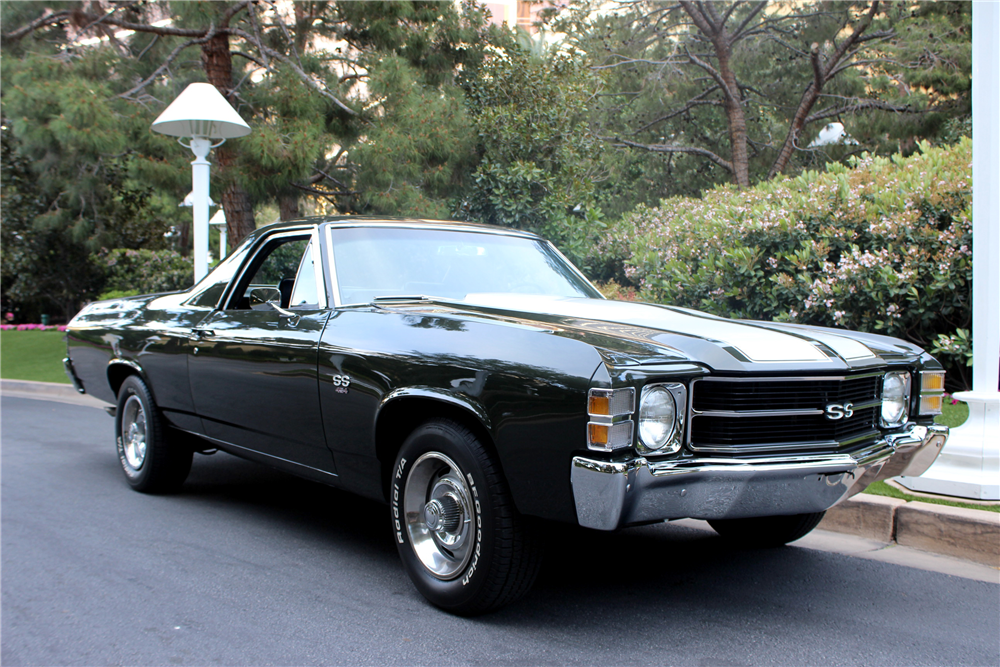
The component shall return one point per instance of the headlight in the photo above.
(895, 399)
(660, 418)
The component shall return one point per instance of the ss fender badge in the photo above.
(837, 411)
(340, 383)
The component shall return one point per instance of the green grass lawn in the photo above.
(33, 355)
(953, 415)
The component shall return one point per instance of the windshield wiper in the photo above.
(396, 298)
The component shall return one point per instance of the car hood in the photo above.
(631, 333)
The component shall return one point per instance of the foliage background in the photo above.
(423, 108)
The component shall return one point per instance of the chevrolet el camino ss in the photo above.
(473, 380)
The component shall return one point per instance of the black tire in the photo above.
(767, 531)
(476, 553)
(151, 463)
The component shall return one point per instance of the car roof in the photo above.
(407, 223)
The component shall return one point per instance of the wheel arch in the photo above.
(120, 369)
(403, 410)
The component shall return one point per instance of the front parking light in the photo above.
(610, 428)
(931, 392)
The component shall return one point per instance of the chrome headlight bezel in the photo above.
(896, 391)
(674, 395)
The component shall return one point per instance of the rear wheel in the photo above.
(461, 540)
(151, 463)
(767, 531)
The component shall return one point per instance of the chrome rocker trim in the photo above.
(610, 495)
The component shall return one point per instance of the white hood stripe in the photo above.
(756, 342)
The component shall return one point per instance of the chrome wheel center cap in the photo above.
(442, 514)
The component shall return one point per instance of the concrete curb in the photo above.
(41, 388)
(49, 391)
(864, 515)
(953, 531)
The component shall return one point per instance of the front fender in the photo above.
(454, 398)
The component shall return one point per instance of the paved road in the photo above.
(248, 566)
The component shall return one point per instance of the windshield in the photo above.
(374, 262)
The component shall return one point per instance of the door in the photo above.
(253, 362)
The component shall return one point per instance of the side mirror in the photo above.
(260, 296)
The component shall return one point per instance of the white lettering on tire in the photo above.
(479, 532)
(395, 501)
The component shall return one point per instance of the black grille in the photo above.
(784, 394)
(733, 426)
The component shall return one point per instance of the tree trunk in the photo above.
(735, 116)
(798, 122)
(288, 207)
(218, 64)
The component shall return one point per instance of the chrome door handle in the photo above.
(202, 333)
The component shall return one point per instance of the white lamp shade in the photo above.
(219, 218)
(201, 111)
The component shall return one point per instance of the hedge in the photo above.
(881, 245)
(131, 272)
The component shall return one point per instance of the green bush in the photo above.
(145, 271)
(883, 245)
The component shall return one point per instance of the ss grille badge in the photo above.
(837, 411)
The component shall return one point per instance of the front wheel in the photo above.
(767, 531)
(461, 540)
(151, 463)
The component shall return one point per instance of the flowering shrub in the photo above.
(883, 245)
(145, 271)
(32, 327)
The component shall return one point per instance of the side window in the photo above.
(271, 275)
(304, 293)
(208, 292)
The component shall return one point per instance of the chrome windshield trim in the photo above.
(455, 227)
(315, 248)
(331, 268)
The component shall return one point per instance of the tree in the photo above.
(150, 68)
(741, 88)
(356, 106)
(539, 164)
(40, 268)
(416, 150)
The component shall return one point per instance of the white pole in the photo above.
(969, 465)
(199, 189)
(222, 242)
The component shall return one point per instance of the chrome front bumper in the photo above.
(610, 495)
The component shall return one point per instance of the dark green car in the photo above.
(474, 380)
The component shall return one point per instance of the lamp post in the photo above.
(219, 220)
(204, 115)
